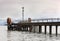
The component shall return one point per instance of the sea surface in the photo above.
(6, 35)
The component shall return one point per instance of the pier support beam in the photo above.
(56, 30)
(40, 29)
(27, 28)
(50, 29)
(30, 29)
(45, 29)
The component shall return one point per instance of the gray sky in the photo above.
(33, 8)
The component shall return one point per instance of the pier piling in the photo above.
(45, 29)
(27, 28)
(40, 29)
(56, 30)
(50, 29)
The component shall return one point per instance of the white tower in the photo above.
(23, 13)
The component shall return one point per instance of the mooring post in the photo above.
(45, 29)
(50, 29)
(56, 30)
(40, 29)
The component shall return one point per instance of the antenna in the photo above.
(23, 13)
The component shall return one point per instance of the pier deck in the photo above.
(40, 23)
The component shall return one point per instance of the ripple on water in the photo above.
(26, 36)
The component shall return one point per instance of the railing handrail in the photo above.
(44, 19)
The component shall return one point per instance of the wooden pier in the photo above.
(23, 26)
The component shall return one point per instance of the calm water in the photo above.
(25, 36)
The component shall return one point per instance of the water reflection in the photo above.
(25, 36)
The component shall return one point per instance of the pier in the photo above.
(23, 26)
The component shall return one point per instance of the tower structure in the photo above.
(23, 13)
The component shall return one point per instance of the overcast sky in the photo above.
(33, 8)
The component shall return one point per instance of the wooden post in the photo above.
(56, 30)
(40, 29)
(50, 29)
(45, 29)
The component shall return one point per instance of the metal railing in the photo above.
(42, 20)
(46, 20)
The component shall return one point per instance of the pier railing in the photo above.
(41, 20)
(46, 20)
